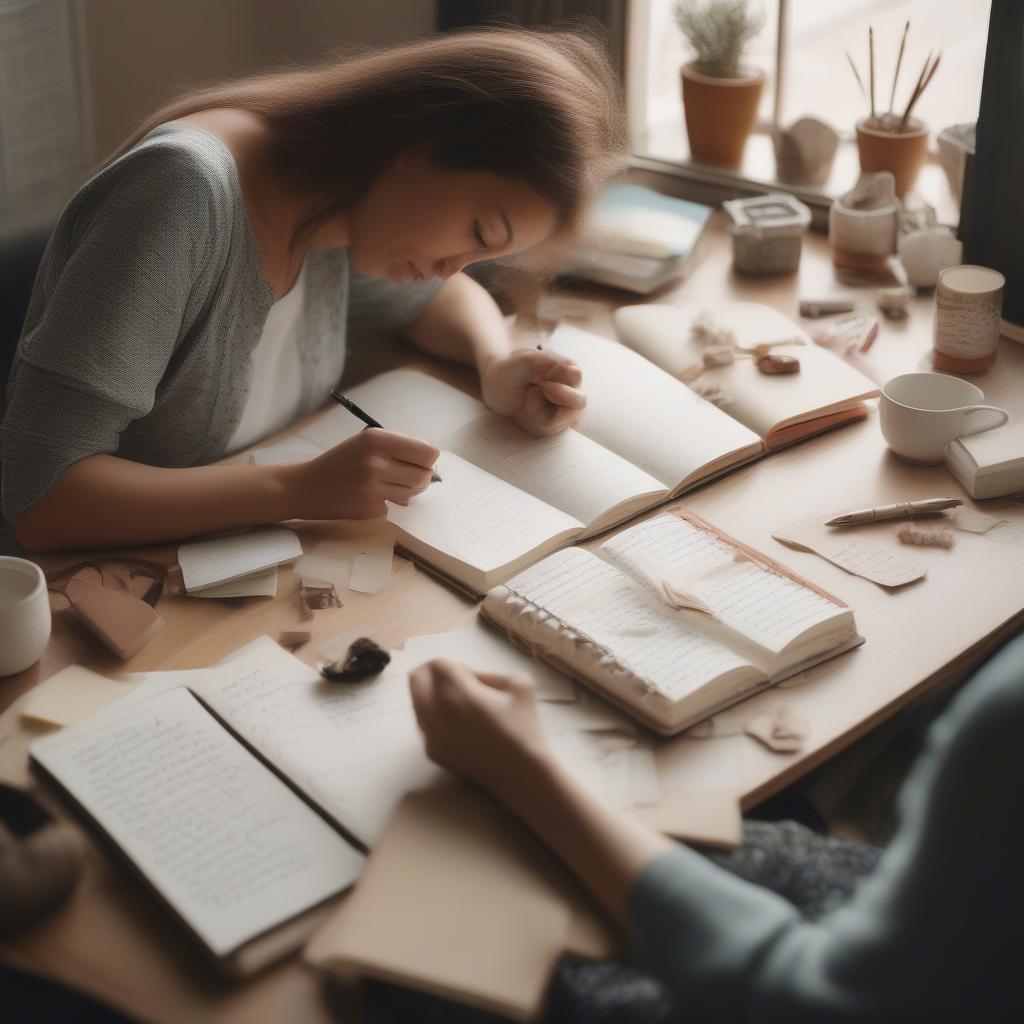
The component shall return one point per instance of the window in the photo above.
(813, 72)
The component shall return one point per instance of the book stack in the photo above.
(989, 464)
(638, 240)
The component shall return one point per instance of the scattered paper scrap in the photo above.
(853, 554)
(207, 563)
(70, 695)
(363, 564)
(973, 521)
(487, 650)
(780, 729)
(705, 817)
(371, 568)
(329, 560)
(680, 591)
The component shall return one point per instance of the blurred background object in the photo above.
(77, 75)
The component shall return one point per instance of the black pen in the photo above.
(367, 419)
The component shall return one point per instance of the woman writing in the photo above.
(195, 294)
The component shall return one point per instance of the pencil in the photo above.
(871, 66)
(899, 61)
(368, 420)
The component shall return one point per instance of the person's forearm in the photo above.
(105, 501)
(463, 323)
(605, 848)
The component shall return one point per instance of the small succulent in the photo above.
(718, 30)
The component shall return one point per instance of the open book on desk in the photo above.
(780, 408)
(244, 798)
(671, 619)
(508, 498)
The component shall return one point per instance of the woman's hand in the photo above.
(353, 479)
(539, 390)
(481, 726)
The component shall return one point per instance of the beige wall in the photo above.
(140, 53)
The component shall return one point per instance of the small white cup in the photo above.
(24, 614)
(921, 412)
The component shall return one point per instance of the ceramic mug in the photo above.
(921, 412)
(24, 614)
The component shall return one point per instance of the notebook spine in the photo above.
(547, 636)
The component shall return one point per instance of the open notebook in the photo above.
(243, 797)
(781, 409)
(671, 619)
(507, 498)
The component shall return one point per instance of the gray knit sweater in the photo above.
(148, 303)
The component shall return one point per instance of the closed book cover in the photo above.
(638, 239)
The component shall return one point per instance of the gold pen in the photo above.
(898, 510)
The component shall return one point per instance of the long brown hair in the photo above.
(541, 106)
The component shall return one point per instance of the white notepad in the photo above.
(209, 563)
(220, 837)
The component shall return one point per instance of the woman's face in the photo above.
(420, 221)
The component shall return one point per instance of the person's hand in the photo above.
(353, 479)
(480, 726)
(539, 390)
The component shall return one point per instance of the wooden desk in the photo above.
(110, 939)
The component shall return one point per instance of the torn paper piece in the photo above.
(780, 729)
(487, 650)
(70, 695)
(679, 591)
(853, 554)
(258, 584)
(329, 560)
(207, 563)
(973, 521)
(704, 817)
(371, 570)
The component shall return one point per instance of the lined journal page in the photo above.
(218, 834)
(479, 519)
(612, 610)
(770, 609)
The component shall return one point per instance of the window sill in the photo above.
(665, 164)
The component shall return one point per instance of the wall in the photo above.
(140, 53)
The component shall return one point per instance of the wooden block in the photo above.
(294, 636)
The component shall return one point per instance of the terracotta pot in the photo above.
(720, 112)
(901, 153)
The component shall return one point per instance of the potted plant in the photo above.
(888, 140)
(720, 94)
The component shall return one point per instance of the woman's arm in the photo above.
(538, 389)
(485, 727)
(104, 501)
(933, 935)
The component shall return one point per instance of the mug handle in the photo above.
(1001, 413)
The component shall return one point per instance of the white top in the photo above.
(275, 387)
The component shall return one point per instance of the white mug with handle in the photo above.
(24, 614)
(921, 413)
